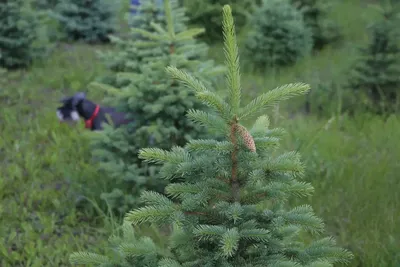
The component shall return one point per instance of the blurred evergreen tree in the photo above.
(206, 13)
(316, 16)
(88, 20)
(376, 74)
(278, 35)
(132, 51)
(156, 103)
(18, 34)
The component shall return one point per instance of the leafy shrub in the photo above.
(229, 206)
(315, 12)
(18, 35)
(278, 36)
(88, 20)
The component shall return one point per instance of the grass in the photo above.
(44, 165)
(353, 166)
(351, 162)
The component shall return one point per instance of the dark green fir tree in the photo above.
(316, 16)
(157, 104)
(131, 51)
(88, 20)
(153, 11)
(376, 74)
(278, 36)
(207, 14)
(50, 31)
(227, 200)
(18, 34)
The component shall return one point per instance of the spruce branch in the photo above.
(326, 249)
(180, 190)
(88, 258)
(273, 97)
(209, 121)
(288, 162)
(216, 102)
(189, 34)
(266, 142)
(159, 156)
(234, 212)
(304, 216)
(209, 232)
(150, 35)
(158, 28)
(144, 247)
(186, 79)
(154, 198)
(320, 263)
(230, 242)
(260, 235)
(128, 232)
(260, 126)
(209, 98)
(293, 188)
(169, 263)
(155, 214)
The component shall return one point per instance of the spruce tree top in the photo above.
(227, 206)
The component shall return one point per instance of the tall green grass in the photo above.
(45, 168)
(354, 167)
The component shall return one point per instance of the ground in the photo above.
(44, 166)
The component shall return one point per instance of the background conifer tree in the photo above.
(207, 14)
(18, 34)
(376, 74)
(157, 105)
(133, 50)
(278, 35)
(88, 20)
(316, 16)
(143, 12)
(228, 201)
